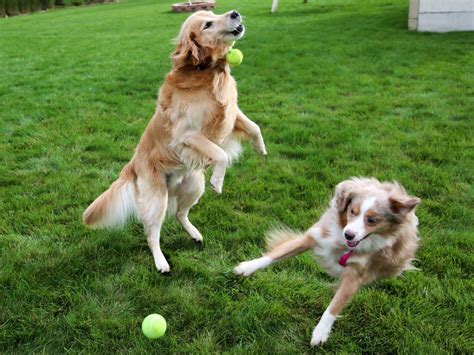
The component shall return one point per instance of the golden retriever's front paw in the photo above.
(216, 183)
(216, 187)
(260, 147)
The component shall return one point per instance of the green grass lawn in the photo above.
(339, 88)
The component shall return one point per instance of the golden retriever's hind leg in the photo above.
(286, 244)
(152, 200)
(188, 194)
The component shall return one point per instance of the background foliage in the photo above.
(17, 7)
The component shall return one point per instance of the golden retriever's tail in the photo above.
(116, 205)
(279, 235)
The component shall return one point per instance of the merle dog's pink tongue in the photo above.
(352, 244)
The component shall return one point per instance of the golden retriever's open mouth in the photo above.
(238, 30)
(234, 30)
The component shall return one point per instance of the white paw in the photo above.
(216, 183)
(320, 335)
(260, 147)
(247, 268)
(162, 266)
(197, 237)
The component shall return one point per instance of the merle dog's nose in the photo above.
(349, 235)
(234, 15)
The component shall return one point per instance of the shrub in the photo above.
(24, 6)
(46, 4)
(12, 7)
(2, 8)
(15, 7)
(34, 5)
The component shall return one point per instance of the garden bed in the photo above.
(193, 6)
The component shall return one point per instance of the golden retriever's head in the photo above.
(205, 38)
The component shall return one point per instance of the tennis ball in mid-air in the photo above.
(234, 57)
(154, 326)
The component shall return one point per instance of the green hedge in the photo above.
(34, 5)
(24, 6)
(2, 8)
(47, 4)
(16, 7)
(12, 7)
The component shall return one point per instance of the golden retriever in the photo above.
(197, 123)
(369, 232)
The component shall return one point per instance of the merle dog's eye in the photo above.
(352, 212)
(207, 25)
(371, 220)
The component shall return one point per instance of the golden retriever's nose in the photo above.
(234, 15)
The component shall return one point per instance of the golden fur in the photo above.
(375, 221)
(197, 123)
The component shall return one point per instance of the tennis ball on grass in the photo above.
(154, 326)
(234, 57)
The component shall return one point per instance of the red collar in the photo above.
(344, 258)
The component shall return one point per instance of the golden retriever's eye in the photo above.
(207, 25)
(371, 220)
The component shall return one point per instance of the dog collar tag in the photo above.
(344, 258)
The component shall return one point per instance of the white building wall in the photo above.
(441, 15)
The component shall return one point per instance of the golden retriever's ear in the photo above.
(188, 52)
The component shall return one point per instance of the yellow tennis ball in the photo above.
(234, 57)
(154, 326)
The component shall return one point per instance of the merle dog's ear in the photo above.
(345, 192)
(401, 204)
